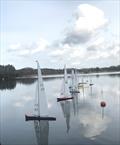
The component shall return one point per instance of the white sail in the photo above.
(65, 88)
(62, 89)
(42, 100)
(74, 80)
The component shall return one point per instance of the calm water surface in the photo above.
(81, 121)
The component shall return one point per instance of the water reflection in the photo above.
(114, 75)
(93, 124)
(91, 116)
(75, 103)
(26, 81)
(91, 91)
(102, 112)
(42, 131)
(11, 84)
(65, 105)
(84, 122)
(8, 84)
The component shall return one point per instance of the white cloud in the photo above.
(75, 63)
(86, 40)
(23, 52)
(60, 50)
(18, 104)
(15, 46)
(99, 40)
(104, 50)
(75, 56)
(88, 19)
(57, 52)
(28, 48)
(41, 45)
(77, 52)
(116, 51)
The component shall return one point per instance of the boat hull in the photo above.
(91, 84)
(30, 118)
(63, 99)
(74, 91)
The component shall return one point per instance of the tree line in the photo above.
(9, 71)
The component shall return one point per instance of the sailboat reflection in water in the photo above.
(75, 104)
(65, 105)
(40, 116)
(42, 131)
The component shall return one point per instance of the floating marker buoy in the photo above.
(103, 104)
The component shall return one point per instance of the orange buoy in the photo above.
(103, 104)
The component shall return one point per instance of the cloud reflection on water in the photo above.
(93, 124)
(22, 101)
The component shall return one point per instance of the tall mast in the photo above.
(64, 78)
(72, 77)
(39, 73)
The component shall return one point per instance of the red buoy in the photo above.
(103, 104)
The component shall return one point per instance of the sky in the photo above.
(56, 32)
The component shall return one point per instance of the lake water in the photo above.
(81, 121)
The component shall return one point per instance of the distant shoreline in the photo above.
(9, 71)
(62, 75)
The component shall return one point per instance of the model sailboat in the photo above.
(91, 84)
(41, 107)
(65, 93)
(74, 82)
(83, 84)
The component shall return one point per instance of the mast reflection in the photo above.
(42, 131)
(75, 104)
(65, 105)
